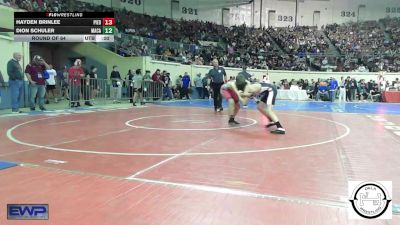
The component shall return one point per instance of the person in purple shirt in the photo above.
(333, 86)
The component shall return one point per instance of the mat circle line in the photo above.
(128, 123)
(15, 140)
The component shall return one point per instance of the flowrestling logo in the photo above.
(370, 200)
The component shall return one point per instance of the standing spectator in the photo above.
(381, 82)
(2, 85)
(198, 83)
(138, 87)
(333, 85)
(218, 78)
(353, 88)
(206, 86)
(342, 90)
(245, 74)
(63, 82)
(51, 84)
(16, 82)
(146, 83)
(156, 76)
(75, 74)
(186, 85)
(348, 92)
(178, 85)
(166, 80)
(37, 84)
(91, 81)
(116, 84)
(316, 86)
(265, 79)
(129, 82)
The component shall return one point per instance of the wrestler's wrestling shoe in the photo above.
(279, 131)
(271, 124)
(232, 121)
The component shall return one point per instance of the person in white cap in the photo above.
(75, 73)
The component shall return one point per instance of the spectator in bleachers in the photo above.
(361, 44)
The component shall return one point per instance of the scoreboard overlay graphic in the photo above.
(64, 27)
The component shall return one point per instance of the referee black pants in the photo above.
(217, 95)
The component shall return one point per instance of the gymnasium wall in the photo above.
(7, 44)
(185, 9)
(176, 69)
(100, 57)
(331, 11)
(61, 54)
(8, 47)
(7, 17)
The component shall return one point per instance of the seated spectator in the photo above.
(294, 86)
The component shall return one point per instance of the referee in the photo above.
(218, 78)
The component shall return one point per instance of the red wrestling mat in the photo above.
(166, 165)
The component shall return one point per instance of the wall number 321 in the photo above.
(190, 11)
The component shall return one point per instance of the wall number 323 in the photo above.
(285, 18)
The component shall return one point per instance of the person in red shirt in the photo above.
(156, 76)
(155, 86)
(75, 73)
(37, 83)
